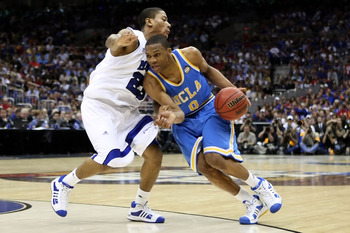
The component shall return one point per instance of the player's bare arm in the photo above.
(211, 73)
(169, 113)
(122, 43)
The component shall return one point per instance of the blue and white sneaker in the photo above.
(268, 195)
(140, 213)
(59, 199)
(255, 209)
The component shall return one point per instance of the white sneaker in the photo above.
(138, 212)
(268, 195)
(255, 209)
(59, 199)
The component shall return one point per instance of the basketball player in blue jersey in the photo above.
(177, 83)
(111, 118)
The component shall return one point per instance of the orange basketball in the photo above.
(231, 103)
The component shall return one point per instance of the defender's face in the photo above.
(157, 57)
(161, 24)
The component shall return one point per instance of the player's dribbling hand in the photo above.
(243, 89)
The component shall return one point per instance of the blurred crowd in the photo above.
(43, 72)
(317, 123)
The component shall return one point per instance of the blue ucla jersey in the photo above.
(202, 129)
(193, 92)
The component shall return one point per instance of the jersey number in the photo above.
(135, 86)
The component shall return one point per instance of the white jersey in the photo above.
(118, 80)
(110, 112)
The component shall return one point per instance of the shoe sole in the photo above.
(251, 223)
(275, 208)
(136, 219)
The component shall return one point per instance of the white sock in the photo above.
(252, 180)
(142, 196)
(243, 195)
(71, 179)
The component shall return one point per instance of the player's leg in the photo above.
(62, 186)
(216, 177)
(191, 147)
(255, 208)
(144, 143)
(97, 120)
(220, 152)
(262, 187)
(151, 166)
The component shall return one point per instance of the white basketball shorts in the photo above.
(116, 133)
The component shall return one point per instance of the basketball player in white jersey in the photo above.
(111, 118)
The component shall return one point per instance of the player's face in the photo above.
(158, 57)
(161, 24)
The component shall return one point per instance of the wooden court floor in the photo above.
(315, 192)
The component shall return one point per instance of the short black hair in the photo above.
(159, 39)
(147, 13)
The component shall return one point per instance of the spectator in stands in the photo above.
(248, 121)
(77, 123)
(45, 114)
(5, 121)
(74, 87)
(346, 138)
(330, 136)
(65, 99)
(279, 129)
(39, 121)
(290, 141)
(261, 116)
(246, 140)
(66, 121)
(347, 70)
(309, 143)
(6, 103)
(276, 103)
(267, 141)
(64, 87)
(290, 124)
(343, 111)
(309, 121)
(340, 144)
(55, 121)
(301, 110)
(256, 114)
(22, 121)
(320, 126)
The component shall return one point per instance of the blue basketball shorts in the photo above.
(206, 131)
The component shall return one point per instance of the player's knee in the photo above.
(213, 159)
(203, 167)
(153, 154)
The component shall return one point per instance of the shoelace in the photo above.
(268, 193)
(64, 194)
